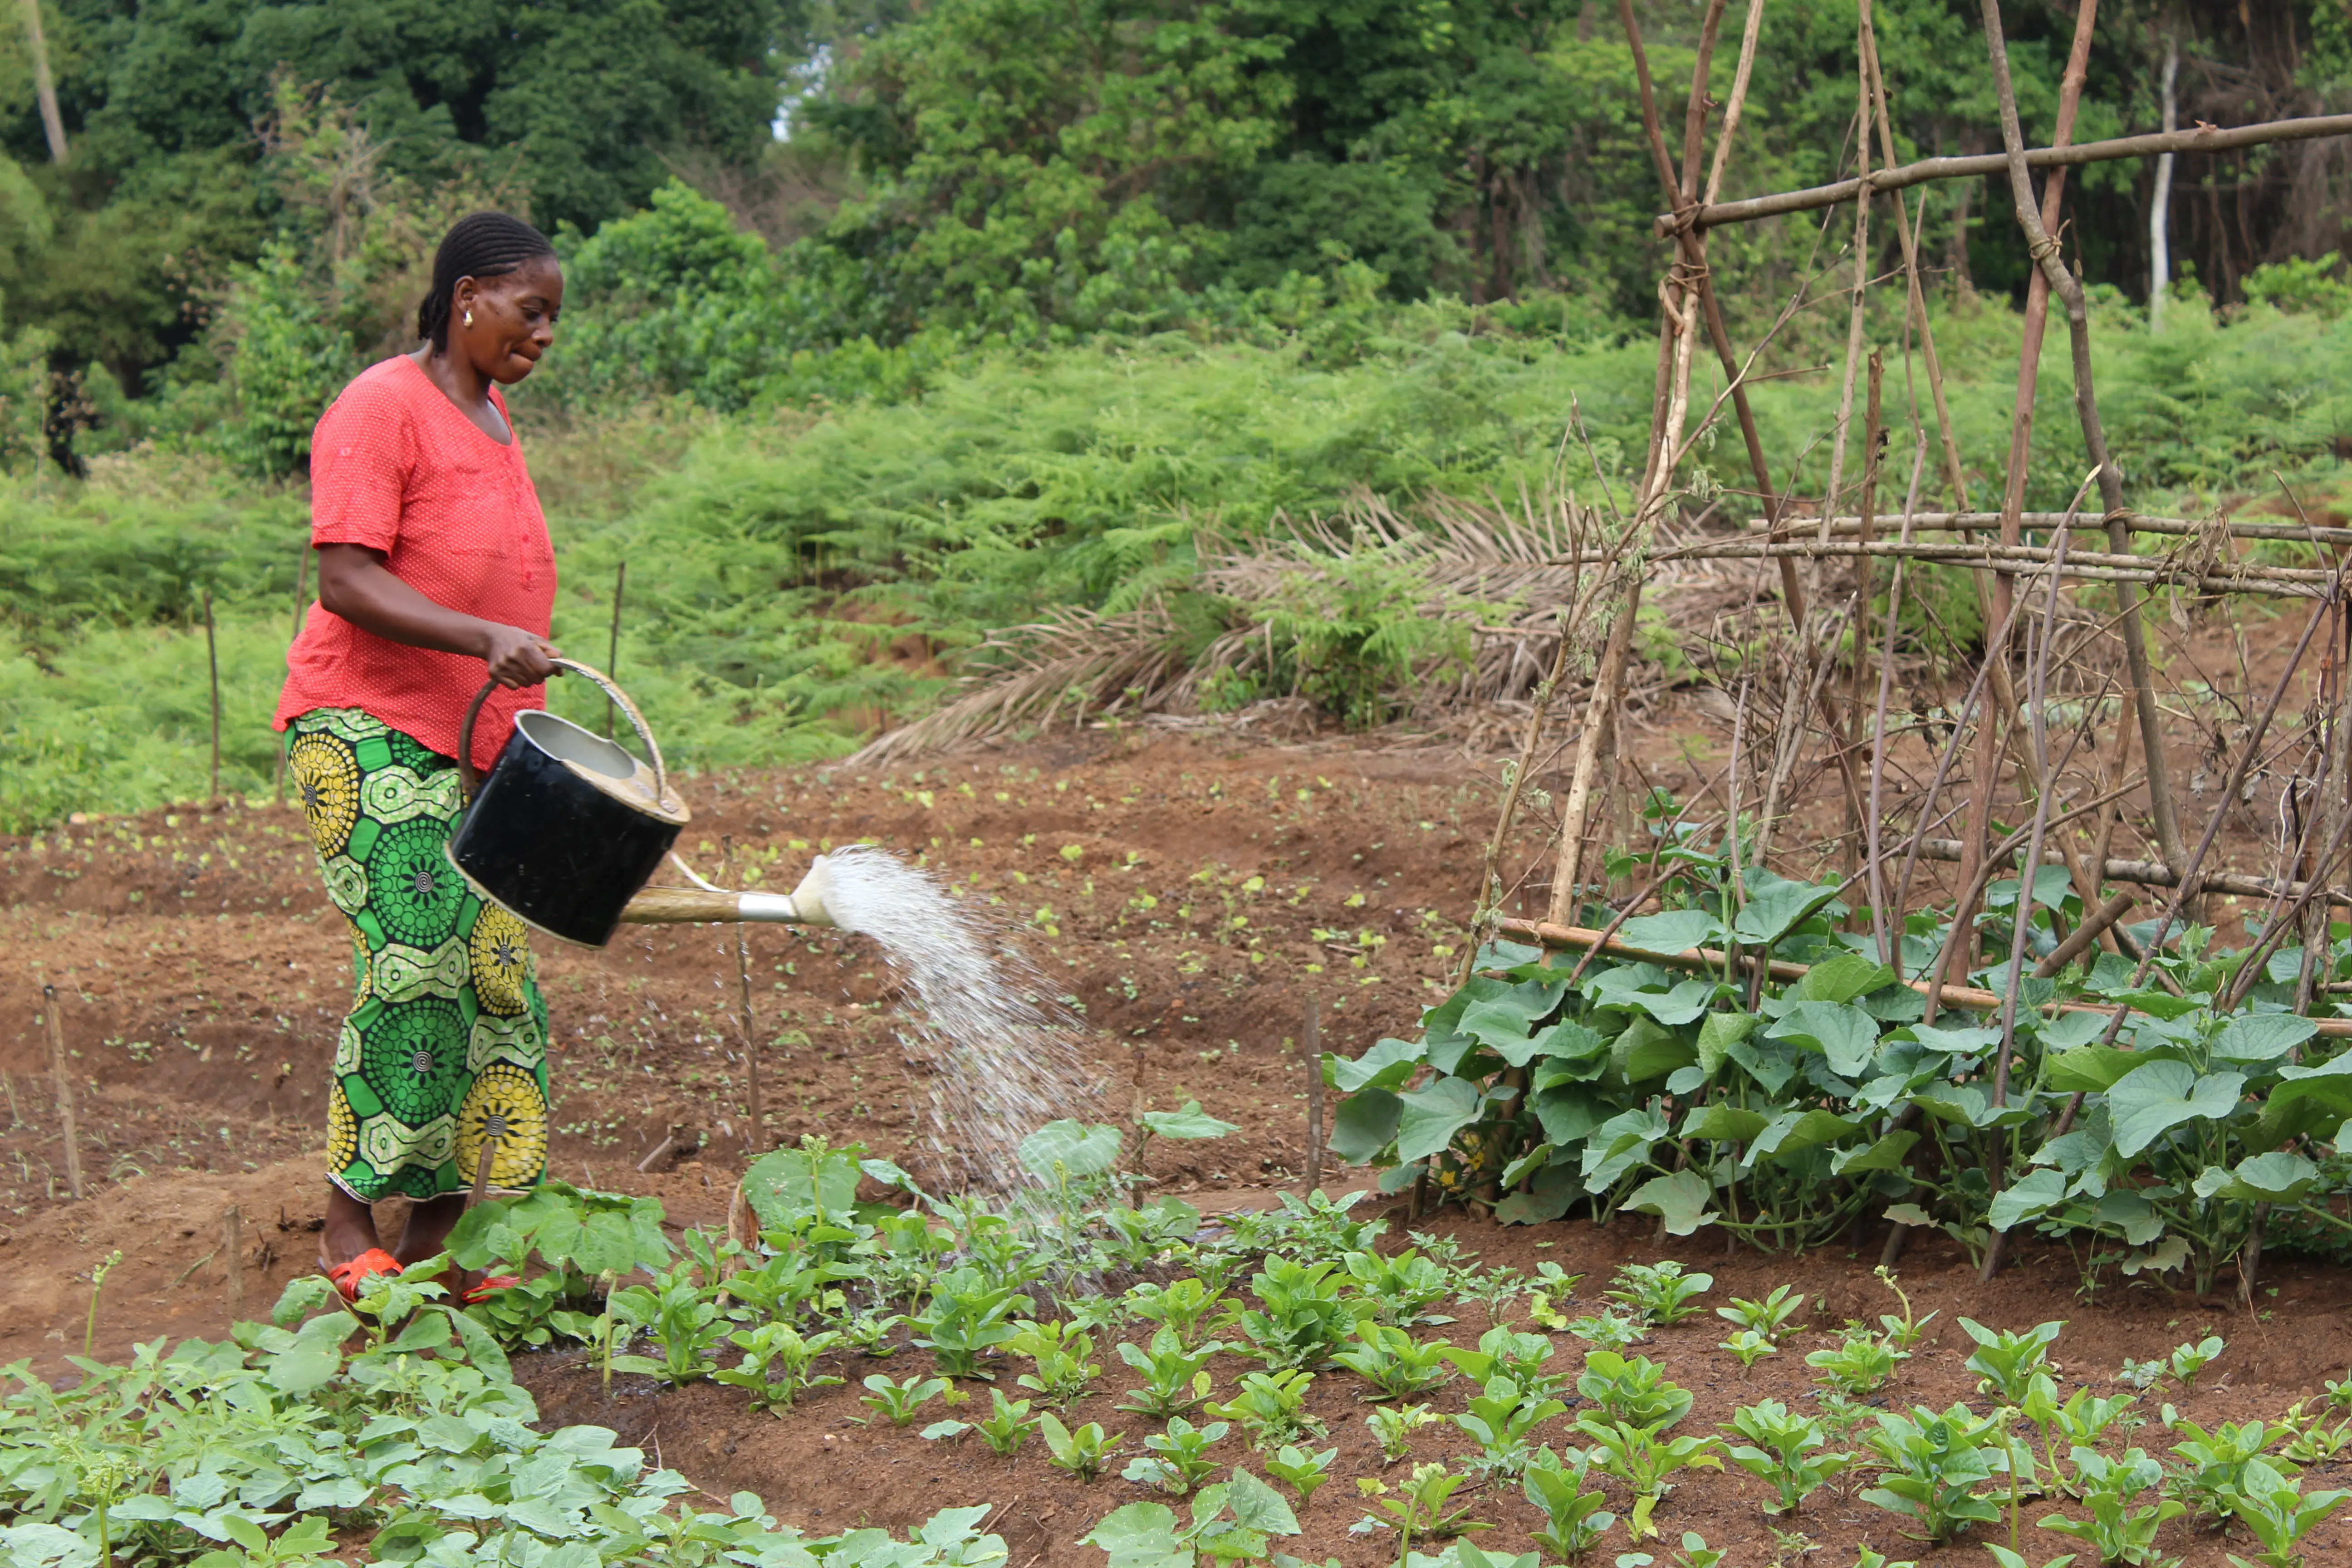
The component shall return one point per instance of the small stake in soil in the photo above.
(233, 1251)
(212, 661)
(65, 1089)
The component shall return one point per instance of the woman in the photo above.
(434, 566)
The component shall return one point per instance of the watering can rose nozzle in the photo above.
(804, 905)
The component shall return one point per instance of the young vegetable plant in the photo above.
(1903, 1333)
(776, 1366)
(1396, 1364)
(1767, 1319)
(1863, 1365)
(1007, 1427)
(1635, 1392)
(2187, 1360)
(1659, 1293)
(2213, 1464)
(1750, 1347)
(1785, 1449)
(2116, 1531)
(1500, 1419)
(967, 1318)
(1303, 1468)
(1610, 1331)
(684, 1320)
(1419, 1508)
(2272, 1506)
(1505, 1352)
(1175, 1381)
(1492, 1289)
(1301, 1319)
(1084, 1452)
(1399, 1290)
(1931, 1466)
(1635, 1457)
(1060, 1352)
(1179, 1457)
(1181, 1308)
(1271, 1406)
(2007, 1363)
(1573, 1518)
(899, 1403)
(1233, 1521)
(1392, 1428)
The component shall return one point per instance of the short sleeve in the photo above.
(359, 461)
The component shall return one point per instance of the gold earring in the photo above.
(469, 318)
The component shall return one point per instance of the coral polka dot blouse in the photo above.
(396, 468)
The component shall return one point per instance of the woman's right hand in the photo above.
(517, 658)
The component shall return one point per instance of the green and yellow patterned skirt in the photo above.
(445, 1043)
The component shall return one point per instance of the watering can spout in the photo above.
(804, 905)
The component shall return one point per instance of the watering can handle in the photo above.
(469, 781)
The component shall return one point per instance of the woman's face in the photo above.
(514, 319)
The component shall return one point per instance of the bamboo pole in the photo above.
(2204, 139)
(211, 660)
(45, 88)
(61, 1074)
(1834, 491)
(233, 1250)
(755, 1138)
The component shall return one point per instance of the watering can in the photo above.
(568, 828)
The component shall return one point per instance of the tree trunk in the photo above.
(2160, 207)
(44, 88)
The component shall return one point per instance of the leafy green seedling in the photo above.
(2007, 1363)
(1504, 1352)
(2213, 1464)
(1930, 1466)
(1419, 1508)
(1084, 1452)
(1271, 1406)
(1399, 1290)
(969, 1317)
(1392, 1427)
(1636, 1391)
(776, 1366)
(1610, 1331)
(1179, 1457)
(1659, 1293)
(2116, 1531)
(2140, 1374)
(1903, 1333)
(869, 1332)
(1183, 1306)
(1060, 1352)
(1750, 1347)
(2187, 1362)
(1785, 1449)
(686, 1322)
(1175, 1381)
(1767, 1319)
(1396, 1364)
(899, 1403)
(1635, 1456)
(1007, 1427)
(1500, 1419)
(1304, 1469)
(1863, 1365)
(1233, 1521)
(2338, 1394)
(1300, 1318)
(2002, 1555)
(1573, 1518)
(1492, 1289)
(304, 1542)
(2272, 1506)
(2315, 1442)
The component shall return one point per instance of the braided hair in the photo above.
(481, 244)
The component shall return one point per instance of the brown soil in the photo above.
(201, 975)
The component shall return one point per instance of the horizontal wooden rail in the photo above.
(2155, 874)
(1986, 521)
(2026, 561)
(1579, 939)
(2203, 139)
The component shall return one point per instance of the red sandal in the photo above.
(352, 1277)
(479, 1291)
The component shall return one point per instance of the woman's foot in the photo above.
(350, 1230)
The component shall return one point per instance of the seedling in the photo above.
(1183, 1306)
(684, 1321)
(1084, 1452)
(1271, 1406)
(967, 1317)
(1785, 1449)
(1659, 1293)
(1392, 1428)
(1932, 1466)
(2140, 1374)
(2314, 1442)
(869, 1332)
(1005, 1429)
(1492, 1289)
(2116, 1531)
(1608, 1332)
(1635, 1456)
(2272, 1506)
(776, 1366)
(1419, 1508)
(1301, 1320)
(1903, 1332)
(2187, 1360)
(1636, 1391)
(1393, 1362)
(2214, 1463)
(1147, 1533)
(1399, 1290)
(1767, 1319)
(1303, 1468)
(1060, 1352)
(1500, 1419)
(1174, 1382)
(1504, 1353)
(1863, 1365)
(1573, 1518)
(2007, 1363)
(97, 1287)
(1750, 1347)
(899, 1403)
(1179, 1457)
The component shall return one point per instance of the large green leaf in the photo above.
(1718, 1034)
(1680, 1200)
(1624, 988)
(2303, 1100)
(1564, 1041)
(1774, 910)
(1069, 1148)
(1568, 1113)
(1190, 1123)
(1432, 1115)
(2090, 1069)
(1141, 1535)
(1720, 1124)
(1674, 933)
(1846, 1035)
(2030, 1196)
(1365, 1124)
(1886, 1154)
(1386, 1066)
(784, 1187)
(1841, 979)
(1501, 1022)
(1646, 1051)
(2261, 1036)
(2150, 1101)
(1257, 1506)
(1548, 1198)
(1793, 1132)
(1618, 1144)
(2277, 1177)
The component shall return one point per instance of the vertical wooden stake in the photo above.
(233, 1250)
(613, 644)
(301, 582)
(45, 90)
(58, 1071)
(1313, 1042)
(755, 1141)
(212, 659)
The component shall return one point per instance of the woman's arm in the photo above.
(354, 584)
